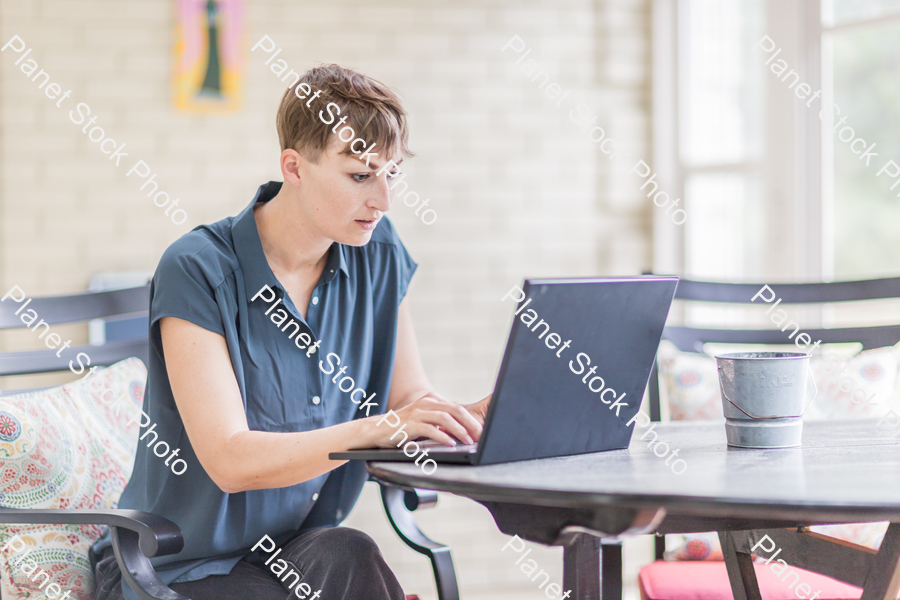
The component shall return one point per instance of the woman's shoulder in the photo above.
(206, 252)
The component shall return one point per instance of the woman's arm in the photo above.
(210, 404)
(238, 459)
(411, 391)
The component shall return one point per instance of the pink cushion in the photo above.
(708, 580)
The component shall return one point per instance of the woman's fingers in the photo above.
(448, 423)
(437, 435)
(479, 409)
(465, 418)
(460, 415)
(440, 420)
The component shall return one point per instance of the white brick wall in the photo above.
(518, 188)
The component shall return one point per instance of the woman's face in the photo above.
(342, 197)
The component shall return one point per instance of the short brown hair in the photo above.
(373, 111)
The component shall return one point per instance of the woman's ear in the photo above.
(291, 163)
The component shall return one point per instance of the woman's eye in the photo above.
(360, 177)
(393, 175)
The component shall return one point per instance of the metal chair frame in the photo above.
(139, 536)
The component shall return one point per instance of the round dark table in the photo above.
(844, 472)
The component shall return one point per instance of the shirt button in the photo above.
(315, 299)
(316, 399)
(315, 496)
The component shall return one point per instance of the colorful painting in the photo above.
(209, 62)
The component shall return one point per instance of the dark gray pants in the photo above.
(344, 563)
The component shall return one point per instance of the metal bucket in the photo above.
(764, 397)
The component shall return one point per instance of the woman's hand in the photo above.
(433, 417)
(479, 409)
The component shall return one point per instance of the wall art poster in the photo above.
(209, 61)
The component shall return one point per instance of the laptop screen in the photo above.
(577, 361)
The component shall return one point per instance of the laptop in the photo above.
(579, 352)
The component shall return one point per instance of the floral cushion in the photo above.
(66, 447)
(860, 386)
(706, 546)
(688, 384)
(864, 534)
(693, 546)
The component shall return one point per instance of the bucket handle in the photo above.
(815, 393)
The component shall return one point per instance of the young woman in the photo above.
(247, 316)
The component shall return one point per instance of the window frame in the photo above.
(799, 202)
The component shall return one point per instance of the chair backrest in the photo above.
(691, 339)
(75, 308)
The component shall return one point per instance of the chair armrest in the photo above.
(136, 537)
(137, 569)
(158, 536)
(397, 503)
(415, 498)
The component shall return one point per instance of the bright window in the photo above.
(796, 203)
(721, 137)
(860, 49)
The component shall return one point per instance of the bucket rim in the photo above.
(764, 356)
